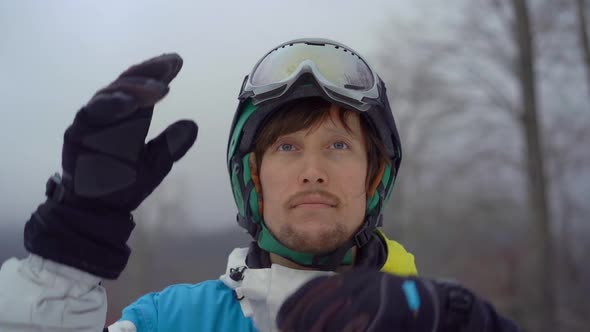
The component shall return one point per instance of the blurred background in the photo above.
(492, 99)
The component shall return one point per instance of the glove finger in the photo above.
(323, 319)
(146, 83)
(316, 321)
(121, 99)
(299, 305)
(180, 137)
(107, 108)
(169, 146)
(360, 322)
(147, 91)
(160, 154)
(161, 68)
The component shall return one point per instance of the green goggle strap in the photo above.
(373, 201)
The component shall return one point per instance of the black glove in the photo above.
(376, 301)
(359, 301)
(108, 170)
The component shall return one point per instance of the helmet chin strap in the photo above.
(360, 239)
(325, 262)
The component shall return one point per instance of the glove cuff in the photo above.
(92, 241)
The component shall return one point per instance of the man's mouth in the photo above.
(314, 200)
(314, 205)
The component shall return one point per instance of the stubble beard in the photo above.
(316, 243)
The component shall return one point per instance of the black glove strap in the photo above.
(92, 241)
(457, 306)
(54, 188)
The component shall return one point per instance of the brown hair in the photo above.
(310, 113)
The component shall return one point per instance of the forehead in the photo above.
(305, 116)
(337, 121)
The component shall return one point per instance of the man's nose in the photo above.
(313, 171)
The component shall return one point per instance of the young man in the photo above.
(313, 154)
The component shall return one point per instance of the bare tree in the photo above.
(539, 297)
(583, 36)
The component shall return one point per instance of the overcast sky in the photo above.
(55, 54)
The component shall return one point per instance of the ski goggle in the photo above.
(339, 71)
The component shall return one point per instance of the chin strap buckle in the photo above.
(363, 236)
(54, 188)
(251, 227)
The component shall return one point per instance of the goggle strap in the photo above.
(256, 182)
(377, 180)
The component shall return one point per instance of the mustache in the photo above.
(322, 194)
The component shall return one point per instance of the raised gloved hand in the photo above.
(377, 301)
(108, 170)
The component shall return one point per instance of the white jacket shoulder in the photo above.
(37, 294)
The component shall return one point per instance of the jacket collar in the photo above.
(262, 287)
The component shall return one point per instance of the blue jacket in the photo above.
(207, 306)
(214, 306)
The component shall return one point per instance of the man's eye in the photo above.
(339, 145)
(286, 147)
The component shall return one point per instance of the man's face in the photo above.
(313, 185)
